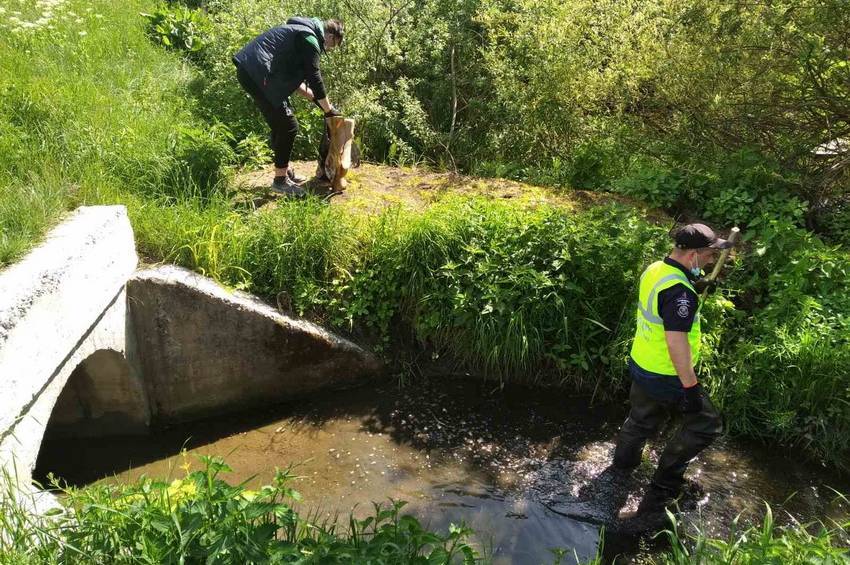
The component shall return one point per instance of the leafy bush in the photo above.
(180, 28)
(254, 152)
(510, 291)
(784, 372)
(654, 185)
(834, 223)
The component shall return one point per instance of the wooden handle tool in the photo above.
(734, 235)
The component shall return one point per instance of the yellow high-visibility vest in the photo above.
(649, 349)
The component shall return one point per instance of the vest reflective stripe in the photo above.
(649, 349)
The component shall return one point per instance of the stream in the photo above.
(527, 469)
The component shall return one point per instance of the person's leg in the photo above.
(698, 430)
(283, 136)
(281, 121)
(645, 417)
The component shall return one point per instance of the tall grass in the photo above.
(91, 111)
(763, 543)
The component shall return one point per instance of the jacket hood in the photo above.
(314, 25)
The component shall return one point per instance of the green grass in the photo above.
(764, 543)
(90, 111)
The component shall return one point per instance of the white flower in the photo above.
(83, 33)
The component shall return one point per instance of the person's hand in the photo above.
(333, 113)
(692, 399)
(705, 284)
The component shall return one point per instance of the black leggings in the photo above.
(281, 120)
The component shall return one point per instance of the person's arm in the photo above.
(305, 92)
(680, 354)
(678, 307)
(313, 76)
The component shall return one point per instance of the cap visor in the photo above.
(721, 244)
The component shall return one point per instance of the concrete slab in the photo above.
(204, 349)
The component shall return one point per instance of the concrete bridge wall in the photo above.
(60, 305)
(91, 347)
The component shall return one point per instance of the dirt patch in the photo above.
(372, 188)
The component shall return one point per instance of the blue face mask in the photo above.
(697, 270)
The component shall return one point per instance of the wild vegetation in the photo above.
(731, 112)
(200, 518)
(538, 294)
(761, 543)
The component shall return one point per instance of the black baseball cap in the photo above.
(698, 236)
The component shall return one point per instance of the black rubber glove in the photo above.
(692, 400)
(703, 284)
(333, 113)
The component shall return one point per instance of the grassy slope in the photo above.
(88, 112)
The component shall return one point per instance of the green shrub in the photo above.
(254, 152)
(654, 185)
(834, 223)
(180, 28)
(785, 371)
(508, 290)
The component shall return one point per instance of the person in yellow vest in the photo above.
(664, 354)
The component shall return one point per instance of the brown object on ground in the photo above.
(338, 160)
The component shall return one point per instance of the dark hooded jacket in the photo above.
(280, 59)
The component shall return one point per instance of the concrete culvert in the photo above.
(102, 398)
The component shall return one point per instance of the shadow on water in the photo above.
(527, 469)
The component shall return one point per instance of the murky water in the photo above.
(528, 470)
